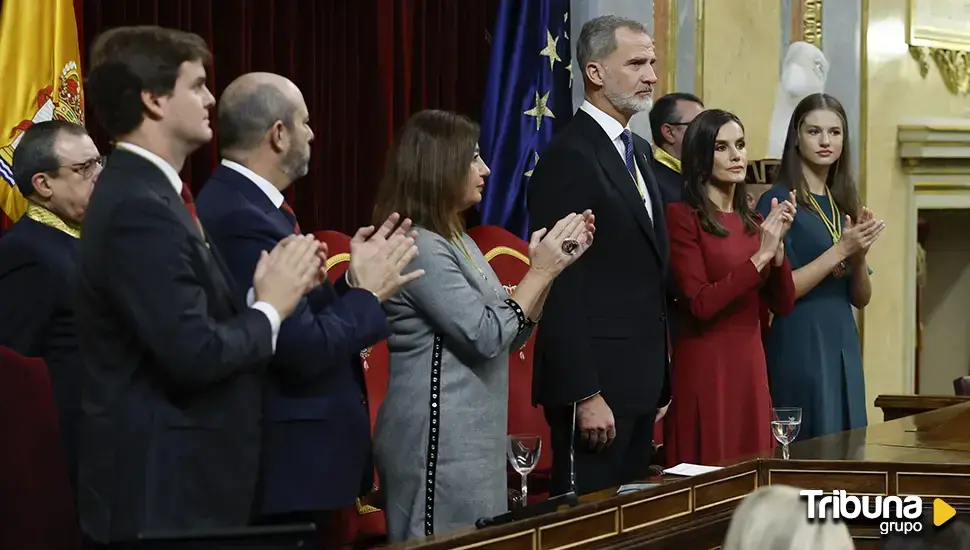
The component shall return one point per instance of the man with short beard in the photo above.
(601, 353)
(316, 437)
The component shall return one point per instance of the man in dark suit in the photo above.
(316, 451)
(601, 354)
(669, 118)
(55, 166)
(174, 357)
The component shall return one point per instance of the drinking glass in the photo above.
(523, 453)
(785, 423)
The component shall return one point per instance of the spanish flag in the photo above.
(40, 63)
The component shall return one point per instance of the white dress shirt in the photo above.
(173, 177)
(614, 130)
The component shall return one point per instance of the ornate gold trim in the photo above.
(812, 22)
(954, 66)
(337, 258)
(504, 250)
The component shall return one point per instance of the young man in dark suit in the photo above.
(316, 451)
(55, 166)
(174, 357)
(601, 354)
(669, 118)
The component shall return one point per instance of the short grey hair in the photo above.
(775, 517)
(246, 116)
(598, 37)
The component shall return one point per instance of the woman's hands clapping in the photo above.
(547, 253)
(774, 228)
(858, 237)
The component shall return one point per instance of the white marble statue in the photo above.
(803, 74)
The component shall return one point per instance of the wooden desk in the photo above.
(926, 455)
(898, 406)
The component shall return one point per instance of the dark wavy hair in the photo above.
(698, 168)
(839, 181)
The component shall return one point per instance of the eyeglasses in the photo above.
(86, 169)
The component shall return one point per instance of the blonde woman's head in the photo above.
(775, 518)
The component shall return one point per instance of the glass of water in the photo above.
(785, 422)
(523, 453)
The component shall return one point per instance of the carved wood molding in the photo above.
(952, 64)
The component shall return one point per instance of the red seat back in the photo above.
(36, 503)
(508, 257)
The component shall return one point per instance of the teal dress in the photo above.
(813, 355)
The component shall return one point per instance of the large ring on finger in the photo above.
(569, 246)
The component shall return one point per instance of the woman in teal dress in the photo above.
(814, 355)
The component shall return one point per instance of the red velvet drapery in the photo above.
(364, 66)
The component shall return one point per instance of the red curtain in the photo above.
(364, 66)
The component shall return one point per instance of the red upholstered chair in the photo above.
(363, 522)
(36, 503)
(508, 257)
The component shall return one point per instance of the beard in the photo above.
(629, 104)
(296, 163)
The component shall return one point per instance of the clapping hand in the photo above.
(377, 258)
(776, 225)
(286, 273)
(323, 254)
(858, 237)
(552, 251)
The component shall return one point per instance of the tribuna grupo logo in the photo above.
(897, 514)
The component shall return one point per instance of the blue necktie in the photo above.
(627, 138)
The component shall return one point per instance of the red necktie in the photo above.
(290, 215)
(189, 201)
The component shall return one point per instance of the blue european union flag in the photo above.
(527, 99)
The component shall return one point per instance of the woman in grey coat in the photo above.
(441, 431)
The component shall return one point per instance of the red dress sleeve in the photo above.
(707, 298)
(779, 291)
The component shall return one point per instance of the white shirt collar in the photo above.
(609, 124)
(271, 192)
(162, 164)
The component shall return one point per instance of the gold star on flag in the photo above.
(570, 69)
(540, 110)
(535, 161)
(550, 49)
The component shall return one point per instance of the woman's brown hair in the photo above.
(427, 172)
(839, 181)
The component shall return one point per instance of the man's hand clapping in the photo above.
(284, 275)
(377, 258)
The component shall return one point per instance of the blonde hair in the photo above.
(775, 518)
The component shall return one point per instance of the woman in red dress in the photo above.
(725, 259)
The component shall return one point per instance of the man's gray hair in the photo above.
(598, 37)
(246, 116)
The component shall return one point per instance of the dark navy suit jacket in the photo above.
(316, 437)
(671, 183)
(38, 276)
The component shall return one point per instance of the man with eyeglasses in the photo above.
(55, 165)
(669, 118)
